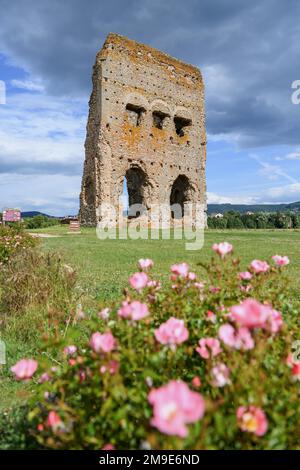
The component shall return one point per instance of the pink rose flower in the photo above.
(280, 260)
(171, 332)
(155, 284)
(102, 342)
(220, 375)
(214, 289)
(134, 310)
(296, 371)
(180, 270)
(70, 350)
(259, 266)
(192, 276)
(54, 421)
(236, 338)
(209, 347)
(24, 369)
(211, 316)
(245, 276)
(199, 285)
(108, 447)
(274, 322)
(246, 288)
(252, 419)
(145, 263)
(104, 313)
(175, 406)
(196, 382)
(250, 313)
(294, 365)
(45, 377)
(138, 281)
(222, 249)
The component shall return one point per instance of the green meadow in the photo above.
(103, 268)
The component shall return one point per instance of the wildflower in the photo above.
(134, 310)
(24, 369)
(280, 260)
(138, 281)
(145, 264)
(102, 342)
(222, 249)
(175, 406)
(220, 375)
(259, 266)
(171, 332)
(252, 419)
(209, 347)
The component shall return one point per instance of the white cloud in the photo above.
(290, 192)
(272, 172)
(213, 198)
(41, 152)
(289, 156)
(28, 85)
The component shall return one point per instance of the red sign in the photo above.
(11, 215)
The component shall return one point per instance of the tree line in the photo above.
(258, 220)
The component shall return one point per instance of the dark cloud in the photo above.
(255, 42)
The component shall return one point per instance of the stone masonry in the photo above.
(146, 123)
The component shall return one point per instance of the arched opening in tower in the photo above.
(138, 191)
(180, 194)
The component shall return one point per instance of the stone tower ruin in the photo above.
(146, 123)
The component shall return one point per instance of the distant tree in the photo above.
(40, 221)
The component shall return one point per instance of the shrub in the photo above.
(192, 365)
(37, 291)
(14, 430)
(13, 240)
(40, 221)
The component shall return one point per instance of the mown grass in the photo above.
(103, 268)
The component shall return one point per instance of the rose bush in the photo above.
(191, 365)
(13, 241)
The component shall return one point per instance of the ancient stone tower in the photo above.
(146, 123)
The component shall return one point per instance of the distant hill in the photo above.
(34, 213)
(242, 208)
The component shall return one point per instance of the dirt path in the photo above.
(43, 235)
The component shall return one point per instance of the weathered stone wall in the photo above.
(147, 122)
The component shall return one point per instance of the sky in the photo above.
(248, 52)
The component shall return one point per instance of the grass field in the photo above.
(103, 268)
